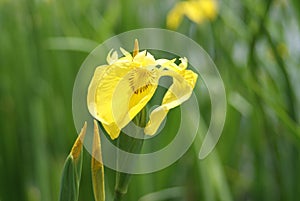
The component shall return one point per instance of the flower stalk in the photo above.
(131, 145)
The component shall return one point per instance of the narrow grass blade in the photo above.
(97, 167)
(69, 189)
(165, 194)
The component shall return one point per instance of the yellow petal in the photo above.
(98, 75)
(198, 11)
(144, 59)
(112, 57)
(209, 8)
(133, 93)
(118, 92)
(112, 129)
(171, 65)
(180, 91)
(175, 16)
(195, 10)
(101, 91)
(127, 56)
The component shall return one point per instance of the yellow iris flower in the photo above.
(195, 10)
(120, 90)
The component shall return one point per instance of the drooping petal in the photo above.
(112, 129)
(170, 64)
(101, 91)
(133, 93)
(98, 74)
(118, 92)
(180, 91)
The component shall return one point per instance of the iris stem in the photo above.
(130, 144)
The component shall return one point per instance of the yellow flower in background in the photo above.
(195, 10)
(120, 90)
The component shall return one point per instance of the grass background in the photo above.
(256, 47)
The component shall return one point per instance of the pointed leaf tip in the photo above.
(77, 147)
(71, 175)
(136, 48)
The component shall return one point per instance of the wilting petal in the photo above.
(180, 91)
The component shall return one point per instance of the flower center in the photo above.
(141, 79)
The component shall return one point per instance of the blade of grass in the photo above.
(164, 194)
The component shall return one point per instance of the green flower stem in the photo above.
(131, 145)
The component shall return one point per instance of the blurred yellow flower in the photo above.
(120, 90)
(195, 10)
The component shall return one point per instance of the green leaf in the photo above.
(97, 167)
(71, 175)
(69, 182)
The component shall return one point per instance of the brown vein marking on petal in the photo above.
(141, 79)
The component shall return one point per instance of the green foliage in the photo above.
(97, 168)
(70, 181)
(255, 45)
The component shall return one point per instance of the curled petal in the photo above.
(112, 57)
(170, 64)
(184, 63)
(127, 55)
(180, 91)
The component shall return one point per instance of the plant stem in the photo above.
(132, 145)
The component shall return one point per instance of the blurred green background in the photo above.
(255, 45)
